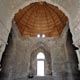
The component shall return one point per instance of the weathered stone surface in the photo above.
(20, 56)
(9, 8)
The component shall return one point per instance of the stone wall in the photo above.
(9, 8)
(16, 59)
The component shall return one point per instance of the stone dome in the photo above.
(40, 18)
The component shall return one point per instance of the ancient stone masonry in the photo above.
(8, 11)
(19, 58)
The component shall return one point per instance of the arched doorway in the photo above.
(40, 64)
(40, 61)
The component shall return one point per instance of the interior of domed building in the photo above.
(40, 40)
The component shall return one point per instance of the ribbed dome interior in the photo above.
(40, 18)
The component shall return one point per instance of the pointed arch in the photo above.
(38, 51)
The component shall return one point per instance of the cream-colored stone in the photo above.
(8, 8)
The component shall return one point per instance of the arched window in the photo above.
(40, 64)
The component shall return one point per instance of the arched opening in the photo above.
(40, 64)
(40, 61)
(40, 58)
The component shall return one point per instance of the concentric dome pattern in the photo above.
(40, 18)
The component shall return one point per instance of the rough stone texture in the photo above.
(8, 8)
(16, 59)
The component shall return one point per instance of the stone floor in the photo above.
(6, 76)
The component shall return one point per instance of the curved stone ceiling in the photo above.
(40, 18)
